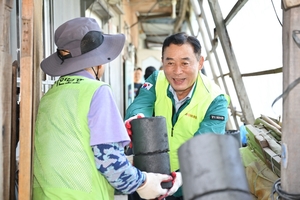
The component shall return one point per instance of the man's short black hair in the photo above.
(180, 39)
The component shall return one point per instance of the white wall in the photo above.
(65, 10)
(147, 57)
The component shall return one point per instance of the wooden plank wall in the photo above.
(5, 100)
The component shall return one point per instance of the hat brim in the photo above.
(110, 49)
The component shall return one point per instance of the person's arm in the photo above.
(113, 165)
(144, 102)
(111, 162)
(104, 119)
(108, 138)
(215, 118)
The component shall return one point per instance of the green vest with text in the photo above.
(191, 116)
(64, 165)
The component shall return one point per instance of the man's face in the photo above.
(181, 68)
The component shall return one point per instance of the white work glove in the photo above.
(128, 125)
(177, 183)
(151, 188)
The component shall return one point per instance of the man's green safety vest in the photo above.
(190, 117)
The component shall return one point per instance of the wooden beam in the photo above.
(212, 54)
(265, 72)
(231, 61)
(236, 8)
(290, 160)
(290, 3)
(150, 5)
(5, 99)
(26, 91)
(182, 12)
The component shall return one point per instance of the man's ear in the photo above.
(201, 61)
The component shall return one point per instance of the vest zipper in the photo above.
(172, 131)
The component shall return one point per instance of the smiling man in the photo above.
(191, 103)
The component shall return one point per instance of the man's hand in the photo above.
(151, 188)
(128, 125)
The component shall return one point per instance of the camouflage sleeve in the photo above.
(112, 163)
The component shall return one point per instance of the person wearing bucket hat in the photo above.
(79, 133)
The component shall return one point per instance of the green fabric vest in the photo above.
(190, 117)
(64, 165)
